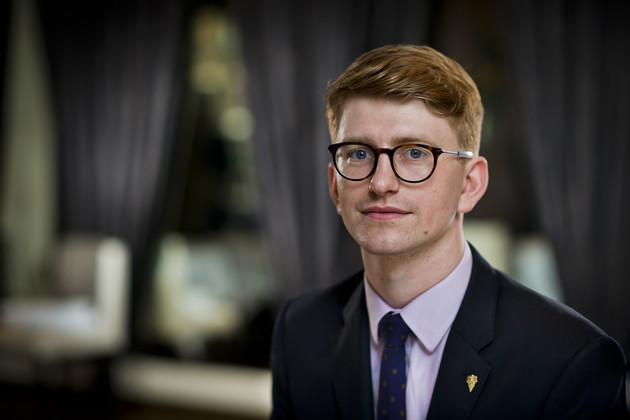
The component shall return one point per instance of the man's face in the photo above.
(385, 215)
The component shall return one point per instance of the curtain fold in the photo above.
(292, 49)
(569, 62)
(5, 14)
(116, 70)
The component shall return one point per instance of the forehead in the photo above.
(385, 122)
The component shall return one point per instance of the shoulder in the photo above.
(551, 356)
(522, 322)
(322, 307)
(522, 309)
(537, 328)
(579, 366)
(519, 308)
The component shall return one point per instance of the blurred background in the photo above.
(163, 182)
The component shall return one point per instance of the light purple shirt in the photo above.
(429, 316)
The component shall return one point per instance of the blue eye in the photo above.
(360, 154)
(415, 153)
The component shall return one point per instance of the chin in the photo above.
(384, 247)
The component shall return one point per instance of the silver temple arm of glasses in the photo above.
(460, 153)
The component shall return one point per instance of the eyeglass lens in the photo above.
(412, 163)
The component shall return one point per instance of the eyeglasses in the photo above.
(411, 162)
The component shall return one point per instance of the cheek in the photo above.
(347, 190)
(449, 190)
(440, 206)
(343, 197)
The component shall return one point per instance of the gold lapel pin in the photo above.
(471, 380)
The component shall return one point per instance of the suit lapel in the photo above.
(350, 361)
(472, 330)
(452, 398)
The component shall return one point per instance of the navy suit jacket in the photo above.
(534, 358)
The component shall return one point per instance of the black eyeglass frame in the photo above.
(435, 151)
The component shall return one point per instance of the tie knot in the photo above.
(393, 330)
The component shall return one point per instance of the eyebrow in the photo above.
(395, 142)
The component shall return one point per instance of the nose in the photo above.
(384, 179)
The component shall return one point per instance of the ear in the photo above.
(332, 186)
(475, 184)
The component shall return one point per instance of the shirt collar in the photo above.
(430, 315)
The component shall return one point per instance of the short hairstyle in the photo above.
(404, 72)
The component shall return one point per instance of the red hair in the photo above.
(404, 72)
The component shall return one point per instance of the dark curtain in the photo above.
(5, 15)
(116, 68)
(292, 49)
(569, 62)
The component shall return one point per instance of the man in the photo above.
(468, 342)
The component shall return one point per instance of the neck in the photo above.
(399, 279)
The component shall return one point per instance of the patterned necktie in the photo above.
(393, 377)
